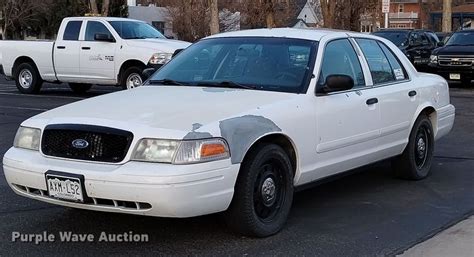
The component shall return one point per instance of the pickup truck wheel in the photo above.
(79, 88)
(415, 162)
(263, 193)
(27, 79)
(132, 78)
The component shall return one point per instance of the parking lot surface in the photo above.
(367, 213)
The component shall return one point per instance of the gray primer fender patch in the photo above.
(197, 135)
(241, 132)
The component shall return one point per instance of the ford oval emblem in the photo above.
(80, 143)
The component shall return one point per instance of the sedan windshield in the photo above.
(274, 64)
(399, 38)
(135, 30)
(461, 39)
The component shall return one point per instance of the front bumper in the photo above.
(467, 73)
(152, 189)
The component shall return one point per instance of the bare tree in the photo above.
(94, 9)
(214, 10)
(447, 15)
(328, 8)
(105, 7)
(17, 14)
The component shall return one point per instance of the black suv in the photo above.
(417, 45)
(455, 60)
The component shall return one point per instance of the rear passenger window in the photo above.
(340, 58)
(379, 64)
(72, 30)
(398, 71)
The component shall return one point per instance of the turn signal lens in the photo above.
(209, 150)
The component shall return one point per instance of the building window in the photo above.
(159, 25)
(401, 8)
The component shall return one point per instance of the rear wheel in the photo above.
(27, 79)
(263, 193)
(415, 162)
(79, 88)
(132, 78)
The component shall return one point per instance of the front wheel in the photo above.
(415, 162)
(79, 88)
(131, 78)
(263, 193)
(27, 79)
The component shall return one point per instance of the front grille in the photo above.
(456, 61)
(84, 142)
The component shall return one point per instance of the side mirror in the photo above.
(440, 44)
(103, 37)
(146, 73)
(336, 83)
(177, 52)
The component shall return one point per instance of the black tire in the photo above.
(256, 210)
(79, 88)
(128, 73)
(27, 79)
(415, 162)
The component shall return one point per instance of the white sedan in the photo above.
(234, 123)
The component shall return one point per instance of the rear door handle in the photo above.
(86, 48)
(372, 101)
(412, 93)
(61, 47)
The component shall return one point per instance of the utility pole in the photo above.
(447, 15)
(214, 25)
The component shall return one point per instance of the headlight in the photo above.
(160, 58)
(434, 59)
(181, 152)
(28, 138)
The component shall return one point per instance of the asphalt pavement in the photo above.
(367, 213)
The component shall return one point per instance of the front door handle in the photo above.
(86, 48)
(412, 93)
(61, 47)
(372, 101)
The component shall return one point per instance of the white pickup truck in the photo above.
(88, 50)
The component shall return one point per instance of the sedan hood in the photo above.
(164, 45)
(176, 108)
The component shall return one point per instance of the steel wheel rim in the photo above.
(25, 78)
(422, 145)
(269, 191)
(134, 80)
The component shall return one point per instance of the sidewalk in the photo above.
(456, 241)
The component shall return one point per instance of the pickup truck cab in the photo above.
(455, 60)
(417, 44)
(88, 50)
(234, 123)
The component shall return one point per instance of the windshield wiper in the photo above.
(166, 82)
(227, 84)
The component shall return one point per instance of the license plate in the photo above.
(65, 188)
(455, 76)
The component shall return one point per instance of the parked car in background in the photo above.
(417, 45)
(234, 123)
(88, 50)
(443, 36)
(455, 60)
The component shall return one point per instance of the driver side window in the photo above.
(95, 27)
(340, 58)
